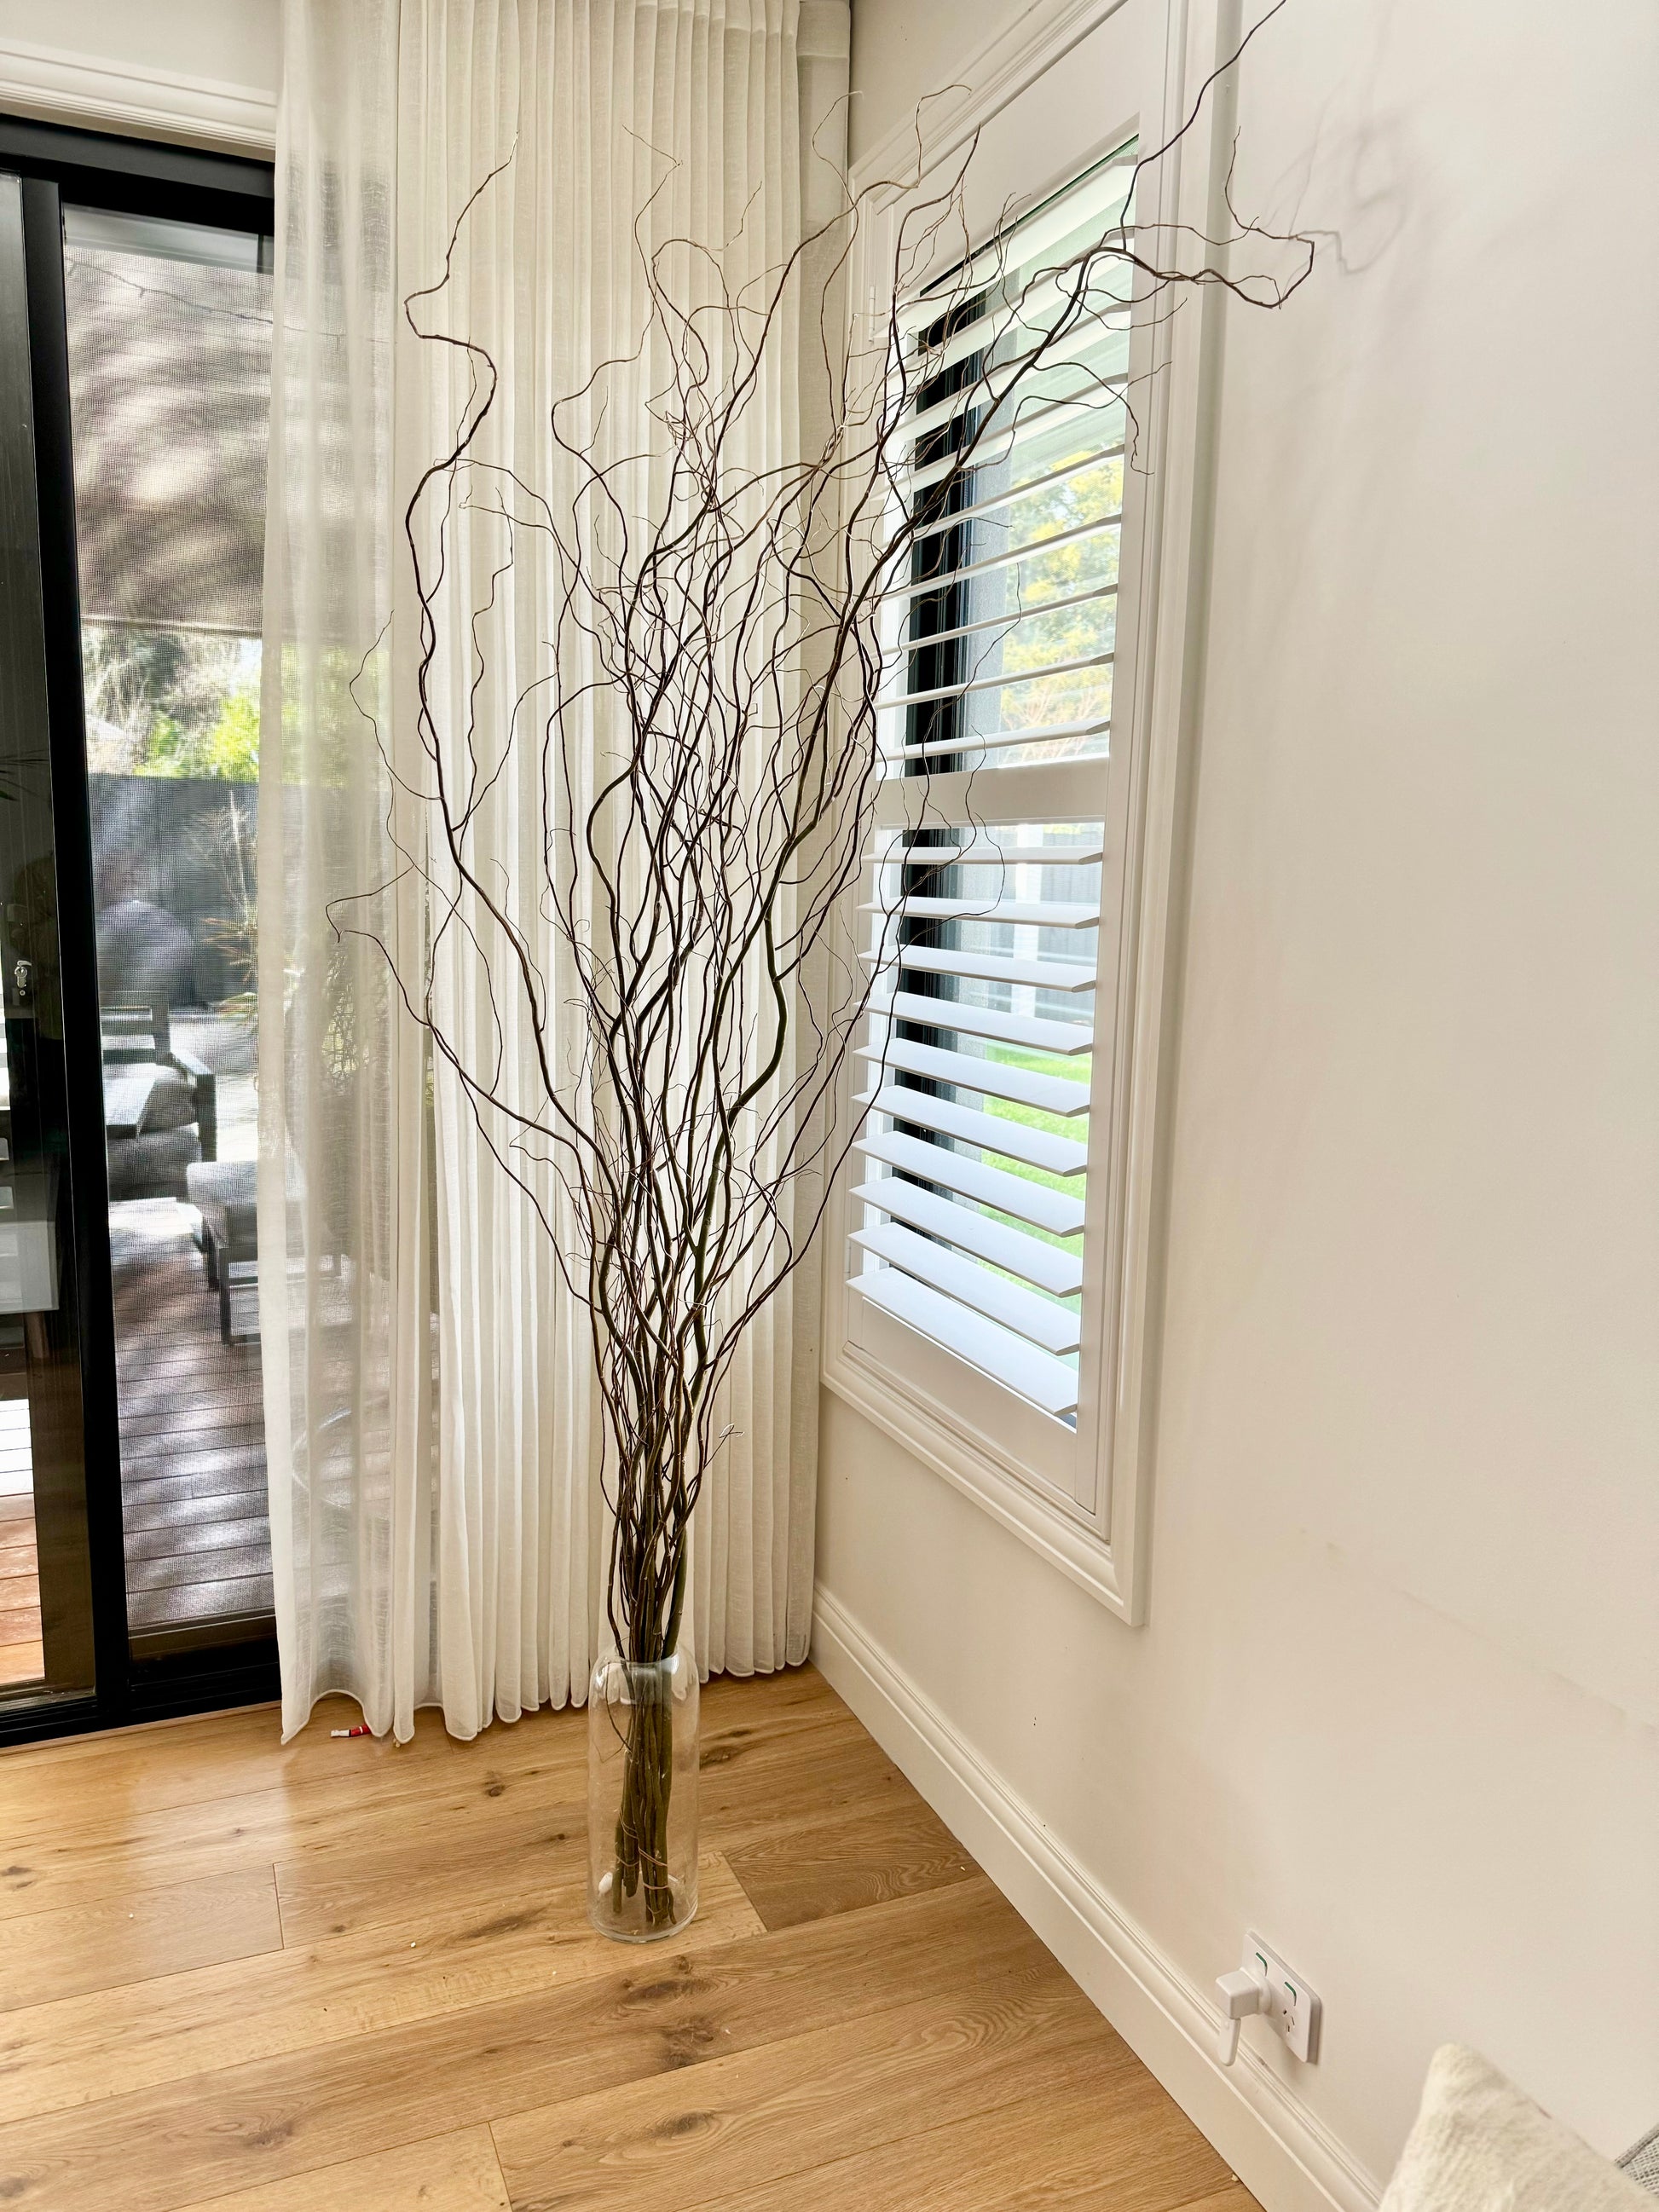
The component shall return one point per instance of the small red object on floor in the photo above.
(361, 1729)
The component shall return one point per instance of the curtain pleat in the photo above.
(438, 1534)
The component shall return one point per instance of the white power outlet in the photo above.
(1292, 2009)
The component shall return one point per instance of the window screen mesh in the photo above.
(170, 369)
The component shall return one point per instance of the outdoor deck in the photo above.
(192, 1414)
(191, 1418)
(192, 1454)
(192, 1433)
(19, 1592)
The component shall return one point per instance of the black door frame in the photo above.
(128, 176)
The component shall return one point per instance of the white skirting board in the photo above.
(1277, 2148)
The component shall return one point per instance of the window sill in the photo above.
(1069, 1543)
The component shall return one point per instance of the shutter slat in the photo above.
(1047, 1382)
(1042, 307)
(992, 1133)
(1033, 551)
(1091, 198)
(990, 968)
(1036, 422)
(1014, 492)
(985, 852)
(1002, 683)
(958, 1016)
(1005, 621)
(986, 1160)
(997, 741)
(1048, 1094)
(1048, 1266)
(1054, 1328)
(1036, 914)
(1056, 1211)
(999, 386)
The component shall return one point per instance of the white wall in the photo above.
(1397, 1703)
(67, 59)
(237, 41)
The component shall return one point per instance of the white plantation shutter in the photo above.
(987, 1056)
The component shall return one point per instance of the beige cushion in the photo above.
(147, 1100)
(1480, 2146)
(217, 1185)
(171, 1103)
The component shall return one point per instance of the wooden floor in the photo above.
(347, 1976)
(193, 1434)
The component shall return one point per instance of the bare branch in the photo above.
(707, 726)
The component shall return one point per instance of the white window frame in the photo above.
(1065, 62)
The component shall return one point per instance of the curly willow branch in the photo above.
(667, 1012)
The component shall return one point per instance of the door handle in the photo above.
(22, 981)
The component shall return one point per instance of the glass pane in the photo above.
(45, 1593)
(169, 337)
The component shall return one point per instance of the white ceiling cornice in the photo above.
(57, 86)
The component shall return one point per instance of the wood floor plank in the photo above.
(447, 2174)
(241, 2125)
(533, 1829)
(308, 1996)
(531, 1843)
(858, 1859)
(363, 1799)
(487, 1810)
(171, 1766)
(894, 2039)
(690, 2138)
(47, 1956)
(1059, 2150)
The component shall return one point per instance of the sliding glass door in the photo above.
(135, 301)
(46, 1654)
(169, 375)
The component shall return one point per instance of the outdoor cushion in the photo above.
(213, 1187)
(154, 1165)
(171, 1103)
(127, 1095)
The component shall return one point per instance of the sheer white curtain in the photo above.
(432, 1428)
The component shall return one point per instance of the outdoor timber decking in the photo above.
(19, 1592)
(193, 1434)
